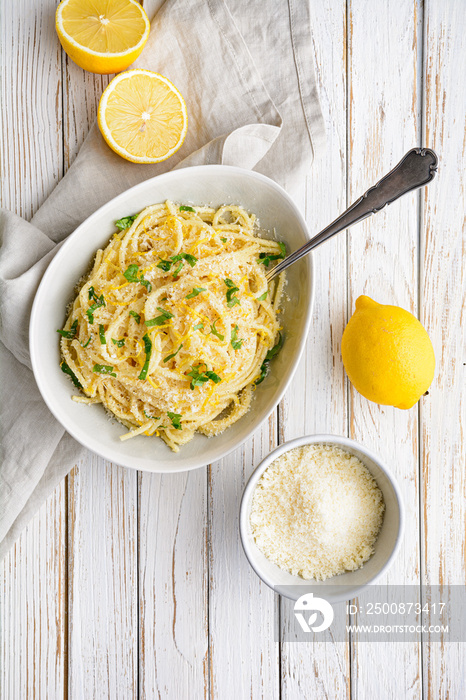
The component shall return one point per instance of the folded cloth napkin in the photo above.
(247, 77)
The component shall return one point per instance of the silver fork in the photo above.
(415, 169)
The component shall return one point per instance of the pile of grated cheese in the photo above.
(316, 512)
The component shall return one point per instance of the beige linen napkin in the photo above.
(246, 73)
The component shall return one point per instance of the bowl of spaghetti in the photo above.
(172, 348)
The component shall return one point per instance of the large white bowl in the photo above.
(348, 585)
(212, 185)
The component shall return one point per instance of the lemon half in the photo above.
(102, 36)
(387, 354)
(142, 116)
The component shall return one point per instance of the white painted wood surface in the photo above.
(129, 585)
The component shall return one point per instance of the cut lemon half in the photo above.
(142, 116)
(102, 36)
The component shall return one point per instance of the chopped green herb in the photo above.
(135, 316)
(266, 258)
(90, 311)
(263, 296)
(152, 417)
(198, 326)
(100, 301)
(190, 259)
(165, 312)
(271, 354)
(131, 274)
(224, 240)
(145, 283)
(125, 222)
(263, 373)
(118, 343)
(199, 378)
(186, 208)
(170, 357)
(67, 370)
(236, 343)
(175, 419)
(178, 270)
(276, 348)
(104, 369)
(93, 295)
(148, 351)
(184, 256)
(88, 341)
(103, 340)
(165, 265)
(215, 331)
(159, 320)
(195, 292)
(231, 291)
(72, 332)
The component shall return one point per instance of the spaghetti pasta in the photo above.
(175, 324)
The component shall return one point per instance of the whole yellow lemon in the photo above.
(387, 354)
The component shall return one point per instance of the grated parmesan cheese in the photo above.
(316, 512)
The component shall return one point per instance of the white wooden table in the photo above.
(129, 584)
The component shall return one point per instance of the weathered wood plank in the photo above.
(316, 401)
(32, 600)
(384, 122)
(32, 607)
(31, 153)
(102, 566)
(244, 657)
(442, 311)
(81, 95)
(173, 594)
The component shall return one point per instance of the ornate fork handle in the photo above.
(415, 169)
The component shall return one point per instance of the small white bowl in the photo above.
(212, 185)
(348, 585)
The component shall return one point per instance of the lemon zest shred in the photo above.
(115, 288)
(110, 262)
(155, 386)
(209, 396)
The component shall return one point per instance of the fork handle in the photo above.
(417, 168)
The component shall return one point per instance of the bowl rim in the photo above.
(105, 452)
(339, 441)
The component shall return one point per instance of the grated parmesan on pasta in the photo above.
(176, 323)
(316, 512)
